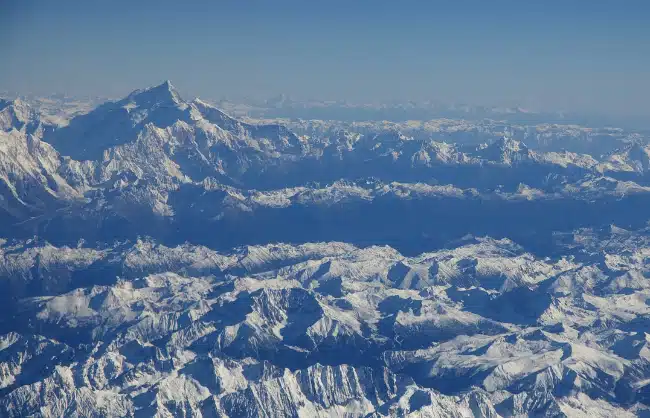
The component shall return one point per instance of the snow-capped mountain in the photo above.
(323, 329)
(160, 257)
(633, 158)
(16, 114)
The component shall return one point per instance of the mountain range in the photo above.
(163, 258)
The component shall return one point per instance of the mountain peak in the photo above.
(164, 93)
(15, 114)
(508, 143)
(166, 86)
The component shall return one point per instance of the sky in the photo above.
(570, 55)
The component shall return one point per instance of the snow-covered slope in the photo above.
(482, 329)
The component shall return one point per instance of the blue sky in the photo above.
(555, 55)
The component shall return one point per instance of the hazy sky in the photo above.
(564, 55)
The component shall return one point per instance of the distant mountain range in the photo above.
(284, 106)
